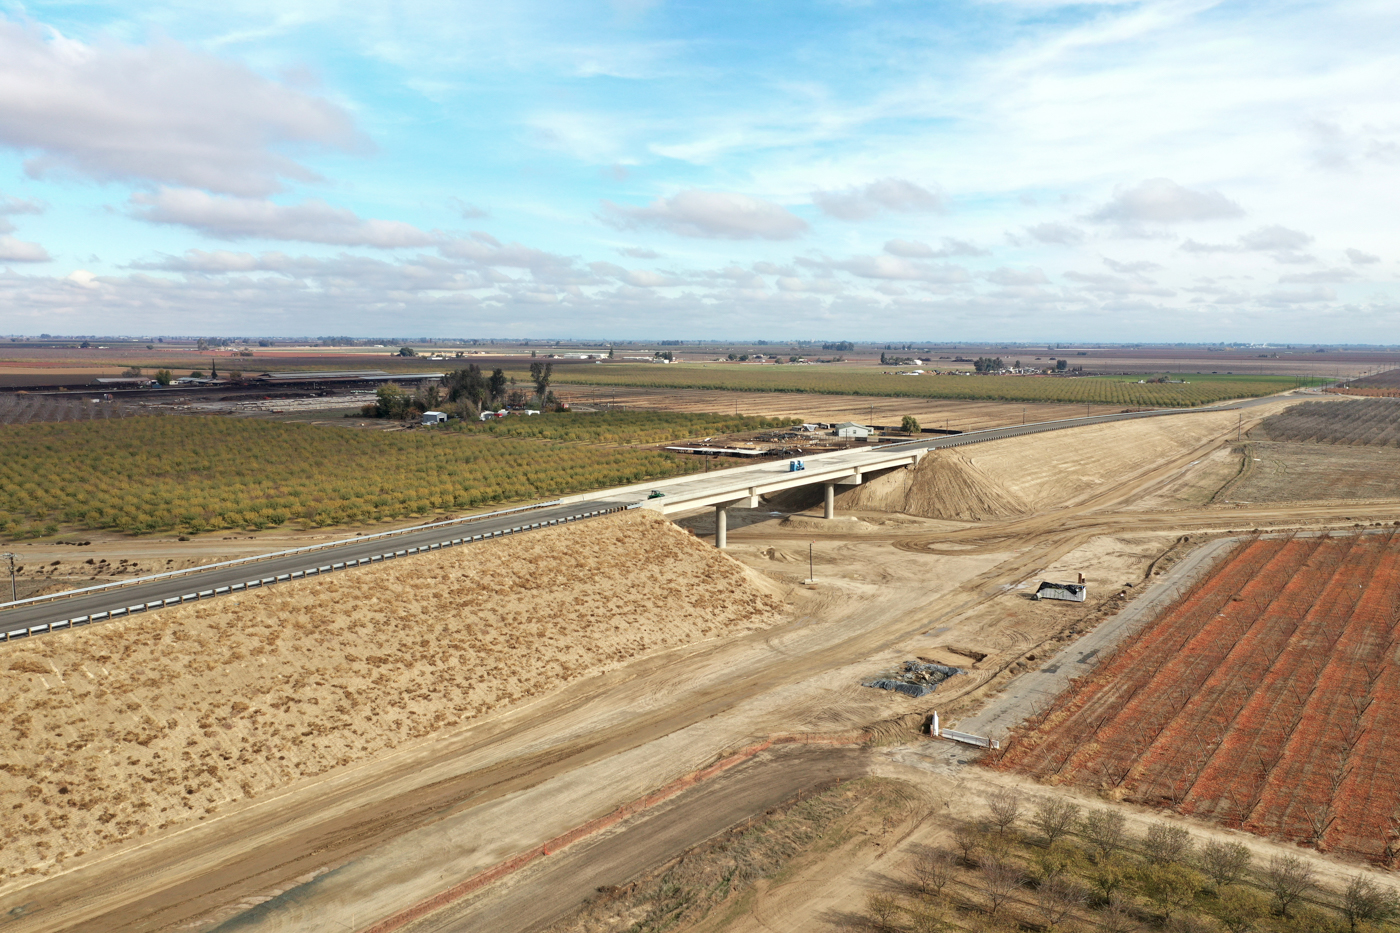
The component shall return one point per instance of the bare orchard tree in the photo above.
(1001, 879)
(1224, 863)
(1287, 879)
(932, 870)
(1105, 830)
(883, 908)
(1054, 818)
(970, 840)
(1056, 899)
(1116, 915)
(1167, 845)
(1364, 901)
(1004, 809)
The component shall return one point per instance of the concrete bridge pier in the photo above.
(721, 524)
(829, 509)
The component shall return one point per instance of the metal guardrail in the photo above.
(121, 612)
(172, 574)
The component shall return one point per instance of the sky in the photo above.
(1005, 170)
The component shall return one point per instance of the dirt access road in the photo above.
(380, 837)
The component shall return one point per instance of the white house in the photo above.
(434, 417)
(851, 429)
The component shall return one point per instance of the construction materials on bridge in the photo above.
(966, 738)
(915, 679)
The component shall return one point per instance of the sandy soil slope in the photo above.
(144, 724)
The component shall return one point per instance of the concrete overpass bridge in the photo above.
(743, 486)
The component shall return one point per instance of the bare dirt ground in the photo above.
(950, 414)
(363, 841)
(1284, 471)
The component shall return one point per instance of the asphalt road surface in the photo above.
(121, 600)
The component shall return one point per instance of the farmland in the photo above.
(621, 427)
(851, 380)
(28, 409)
(167, 474)
(1362, 423)
(1266, 698)
(1381, 385)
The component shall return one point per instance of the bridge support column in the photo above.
(829, 509)
(721, 525)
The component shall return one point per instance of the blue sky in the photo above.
(1172, 171)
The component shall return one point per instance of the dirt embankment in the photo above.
(945, 484)
(134, 726)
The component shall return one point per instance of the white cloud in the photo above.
(467, 211)
(1332, 276)
(1359, 258)
(1131, 268)
(917, 249)
(710, 214)
(1273, 238)
(161, 113)
(1163, 201)
(1055, 234)
(1300, 296)
(893, 268)
(1099, 283)
(312, 221)
(1008, 276)
(11, 206)
(639, 252)
(645, 278)
(891, 194)
(13, 250)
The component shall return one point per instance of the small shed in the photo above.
(851, 429)
(1074, 592)
(434, 417)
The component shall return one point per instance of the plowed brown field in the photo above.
(1266, 698)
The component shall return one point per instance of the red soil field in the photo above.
(1266, 698)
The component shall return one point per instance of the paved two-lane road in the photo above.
(114, 601)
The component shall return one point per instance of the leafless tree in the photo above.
(1004, 809)
(1287, 879)
(1056, 899)
(1189, 923)
(970, 839)
(1167, 845)
(1054, 818)
(1001, 879)
(1116, 916)
(1364, 901)
(1224, 862)
(1105, 830)
(882, 908)
(932, 870)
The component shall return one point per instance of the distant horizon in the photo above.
(901, 344)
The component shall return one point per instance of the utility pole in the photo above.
(811, 574)
(14, 591)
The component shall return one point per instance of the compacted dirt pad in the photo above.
(1266, 698)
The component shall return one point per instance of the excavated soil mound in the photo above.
(945, 484)
(138, 725)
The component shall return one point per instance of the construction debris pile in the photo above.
(917, 679)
